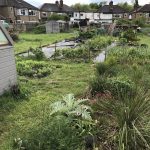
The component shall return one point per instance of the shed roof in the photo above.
(49, 7)
(115, 9)
(17, 4)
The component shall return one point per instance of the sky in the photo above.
(70, 2)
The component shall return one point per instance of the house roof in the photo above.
(145, 8)
(49, 7)
(17, 4)
(115, 9)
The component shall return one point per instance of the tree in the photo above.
(126, 6)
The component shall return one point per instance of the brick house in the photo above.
(19, 11)
(143, 11)
(58, 7)
(111, 12)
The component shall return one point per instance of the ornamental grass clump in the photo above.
(127, 120)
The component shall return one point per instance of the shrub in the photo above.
(62, 128)
(98, 42)
(31, 68)
(56, 17)
(39, 29)
(98, 85)
(130, 35)
(120, 87)
(87, 34)
(39, 55)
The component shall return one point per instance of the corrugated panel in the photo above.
(8, 75)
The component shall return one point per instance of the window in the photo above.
(3, 39)
(23, 12)
(149, 14)
(32, 13)
(44, 14)
(81, 14)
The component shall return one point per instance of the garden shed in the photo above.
(57, 26)
(8, 74)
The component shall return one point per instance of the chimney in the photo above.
(61, 4)
(111, 5)
(57, 3)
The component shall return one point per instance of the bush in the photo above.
(98, 42)
(62, 128)
(41, 29)
(31, 68)
(120, 87)
(98, 85)
(57, 17)
(39, 55)
(130, 35)
(75, 53)
(87, 34)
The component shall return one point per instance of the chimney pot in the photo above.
(57, 2)
(61, 4)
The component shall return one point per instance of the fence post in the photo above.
(55, 48)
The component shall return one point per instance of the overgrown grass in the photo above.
(122, 92)
(28, 40)
(18, 117)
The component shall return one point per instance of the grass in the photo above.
(145, 40)
(28, 40)
(123, 98)
(19, 116)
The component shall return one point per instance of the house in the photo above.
(19, 11)
(58, 7)
(81, 15)
(111, 12)
(8, 75)
(143, 11)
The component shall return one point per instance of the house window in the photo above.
(32, 13)
(76, 15)
(3, 39)
(44, 14)
(149, 14)
(81, 14)
(23, 12)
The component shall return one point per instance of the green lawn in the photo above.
(19, 116)
(28, 40)
(145, 40)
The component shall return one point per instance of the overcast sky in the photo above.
(70, 2)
